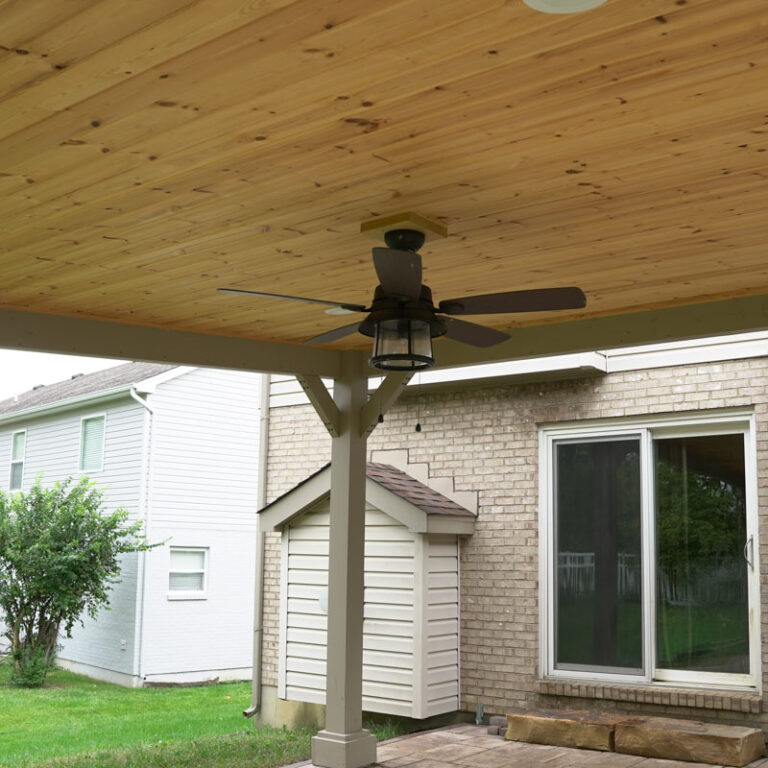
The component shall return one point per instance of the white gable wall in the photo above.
(53, 452)
(202, 492)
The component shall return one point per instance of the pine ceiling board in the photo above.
(104, 127)
(23, 20)
(705, 108)
(97, 26)
(205, 219)
(662, 172)
(105, 162)
(153, 45)
(237, 58)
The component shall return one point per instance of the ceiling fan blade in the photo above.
(342, 304)
(470, 333)
(334, 335)
(537, 300)
(399, 272)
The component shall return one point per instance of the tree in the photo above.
(59, 557)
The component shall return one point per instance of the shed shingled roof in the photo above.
(414, 491)
(77, 386)
(401, 484)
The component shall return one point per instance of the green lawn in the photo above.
(78, 722)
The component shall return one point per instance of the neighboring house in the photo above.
(179, 448)
(614, 563)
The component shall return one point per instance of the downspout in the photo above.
(144, 504)
(258, 594)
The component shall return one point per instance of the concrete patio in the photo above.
(470, 746)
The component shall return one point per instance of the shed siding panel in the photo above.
(442, 609)
(388, 625)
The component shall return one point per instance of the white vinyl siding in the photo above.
(403, 674)
(52, 452)
(92, 431)
(18, 449)
(202, 493)
(187, 573)
(205, 451)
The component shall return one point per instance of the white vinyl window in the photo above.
(187, 576)
(18, 450)
(649, 549)
(92, 443)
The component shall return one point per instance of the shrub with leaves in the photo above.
(59, 556)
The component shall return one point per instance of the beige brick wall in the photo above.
(486, 439)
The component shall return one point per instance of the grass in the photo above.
(76, 722)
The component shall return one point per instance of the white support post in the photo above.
(343, 743)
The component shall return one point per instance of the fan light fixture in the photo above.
(563, 6)
(402, 344)
(402, 318)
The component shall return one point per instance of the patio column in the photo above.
(343, 743)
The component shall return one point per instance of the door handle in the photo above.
(749, 546)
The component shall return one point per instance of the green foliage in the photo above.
(30, 666)
(59, 556)
(700, 515)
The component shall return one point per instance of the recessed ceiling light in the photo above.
(562, 6)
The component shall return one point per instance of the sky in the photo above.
(20, 371)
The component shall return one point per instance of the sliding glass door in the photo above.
(650, 552)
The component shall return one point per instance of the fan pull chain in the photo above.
(418, 406)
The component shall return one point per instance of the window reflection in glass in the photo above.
(598, 610)
(701, 585)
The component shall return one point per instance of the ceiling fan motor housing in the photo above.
(404, 239)
(384, 307)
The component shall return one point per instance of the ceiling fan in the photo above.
(402, 318)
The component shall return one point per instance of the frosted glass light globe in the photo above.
(563, 6)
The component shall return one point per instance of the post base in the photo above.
(343, 750)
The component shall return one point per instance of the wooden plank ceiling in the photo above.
(151, 152)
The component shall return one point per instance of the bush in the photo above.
(59, 556)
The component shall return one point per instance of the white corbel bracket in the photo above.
(322, 401)
(382, 400)
(378, 404)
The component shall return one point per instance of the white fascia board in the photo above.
(150, 385)
(459, 526)
(416, 520)
(286, 391)
(584, 362)
(739, 347)
(745, 314)
(279, 513)
(405, 513)
(60, 406)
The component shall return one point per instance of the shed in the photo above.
(411, 612)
